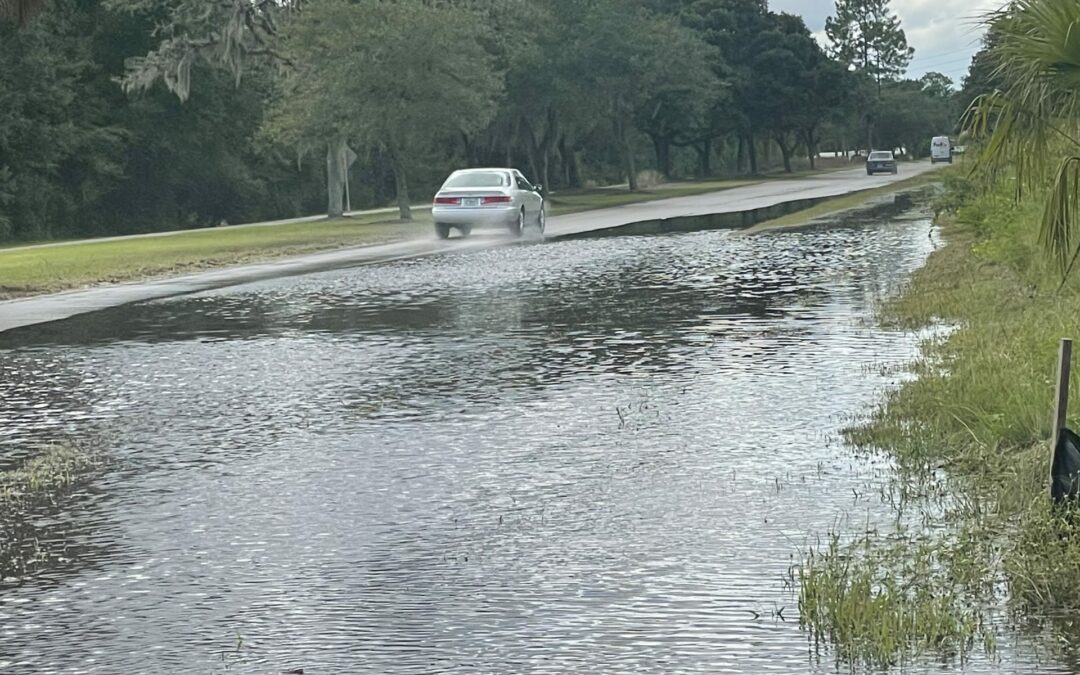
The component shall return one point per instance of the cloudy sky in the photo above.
(944, 33)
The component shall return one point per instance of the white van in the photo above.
(940, 150)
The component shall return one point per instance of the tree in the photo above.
(730, 25)
(1029, 125)
(937, 86)
(675, 110)
(913, 112)
(798, 88)
(396, 75)
(867, 36)
(637, 64)
(830, 97)
(225, 33)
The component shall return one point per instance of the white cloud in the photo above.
(944, 33)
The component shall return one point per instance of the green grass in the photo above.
(970, 438)
(45, 269)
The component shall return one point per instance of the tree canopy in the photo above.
(135, 115)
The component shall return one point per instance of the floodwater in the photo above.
(587, 456)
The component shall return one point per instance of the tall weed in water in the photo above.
(970, 436)
(30, 492)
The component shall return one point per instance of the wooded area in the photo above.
(120, 116)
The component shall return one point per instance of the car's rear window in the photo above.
(478, 179)
(877, 156)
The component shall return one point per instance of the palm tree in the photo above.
(1035, 116)
(19, 11)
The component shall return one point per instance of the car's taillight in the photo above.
(448, 200)
(498, 199)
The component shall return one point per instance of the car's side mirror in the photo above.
(538, 188)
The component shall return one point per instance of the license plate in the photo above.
(474, 201)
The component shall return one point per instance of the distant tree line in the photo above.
(122, 116)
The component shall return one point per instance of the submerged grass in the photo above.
(28, 493)
(970, 438)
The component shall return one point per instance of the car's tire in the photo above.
(869, 172)
(465, 230)
(895, 171)
(442, 230)
(518, 225)
(541, 219)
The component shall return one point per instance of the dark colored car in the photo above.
(880, 161)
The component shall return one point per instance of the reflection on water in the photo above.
(590, 455)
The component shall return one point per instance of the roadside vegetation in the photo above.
(977, 548)
(233, 112)
(975, 531)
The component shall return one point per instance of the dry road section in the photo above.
(43, 309)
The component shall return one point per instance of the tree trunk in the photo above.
(531, 149)
(704, 158)
(573, 165)
(401, 184)
(662, 148)
(810, 137)
(785, 152)
(552, 137)
(335, 177)
(752, 154)
(627, 153)
(470, 150)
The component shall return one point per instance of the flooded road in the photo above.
(596, 455)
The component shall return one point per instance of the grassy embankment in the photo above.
(32, 270)
(975, 533)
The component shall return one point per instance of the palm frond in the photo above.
(1061, 216)
(1034, 118)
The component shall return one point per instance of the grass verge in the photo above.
(48, 269)
(969, 436)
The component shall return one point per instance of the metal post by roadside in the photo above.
(1061, 405)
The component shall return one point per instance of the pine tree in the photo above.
(866, 34)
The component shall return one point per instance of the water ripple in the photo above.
(582, 456)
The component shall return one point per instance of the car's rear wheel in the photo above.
(465, 230)
(894, 171)
(442, 230)
(518, 225)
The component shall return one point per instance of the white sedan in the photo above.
(500, 198)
